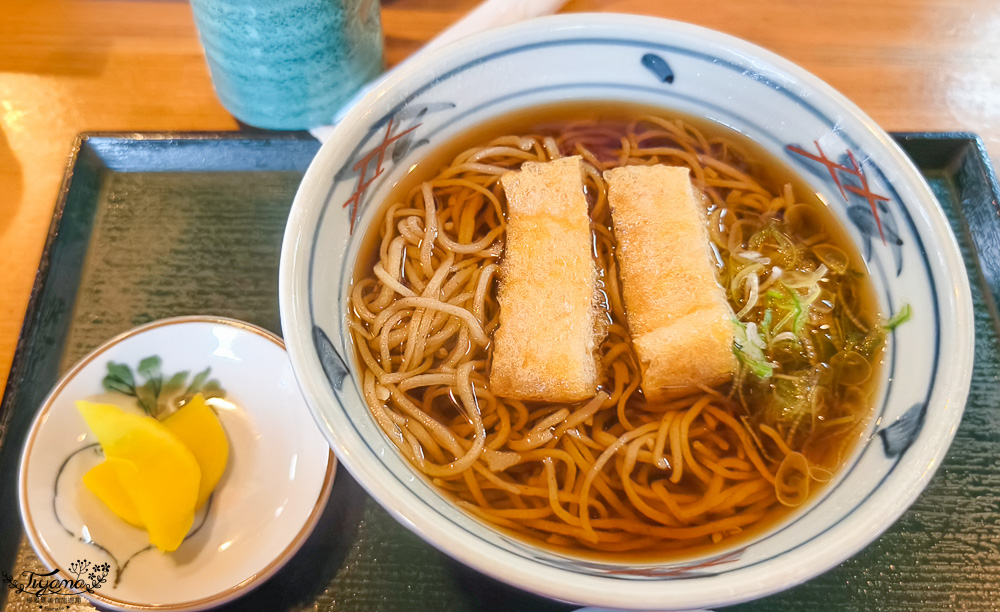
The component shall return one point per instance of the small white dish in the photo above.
(276, 484)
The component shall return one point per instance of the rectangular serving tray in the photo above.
(157, 225)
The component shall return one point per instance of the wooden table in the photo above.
(68, 66)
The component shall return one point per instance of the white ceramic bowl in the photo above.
(679, 67)
(275, 486)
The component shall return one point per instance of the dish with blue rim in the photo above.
(838, 152)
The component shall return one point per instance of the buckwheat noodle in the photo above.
(615, 473)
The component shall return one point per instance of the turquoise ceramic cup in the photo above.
(289, 64)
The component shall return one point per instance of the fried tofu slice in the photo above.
(546, 345)
(677, 313)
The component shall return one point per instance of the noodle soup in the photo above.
(618, 476)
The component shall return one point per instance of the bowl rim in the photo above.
(227, 594)
(792, 567)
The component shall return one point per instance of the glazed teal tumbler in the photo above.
(289, 64)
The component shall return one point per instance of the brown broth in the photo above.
(768, 171)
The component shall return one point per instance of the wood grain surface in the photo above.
(68, 66)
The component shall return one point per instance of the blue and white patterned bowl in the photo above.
(839, 151)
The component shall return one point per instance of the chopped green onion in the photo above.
(899, 318)
(749, 349)
(765, 325)
(801, 311)
(796, 309)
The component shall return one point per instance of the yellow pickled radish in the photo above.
(102, 480)
(196, 425)
(159, 473)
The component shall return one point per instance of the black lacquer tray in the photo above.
(158, 225)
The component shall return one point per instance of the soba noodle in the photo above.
(616, 473)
